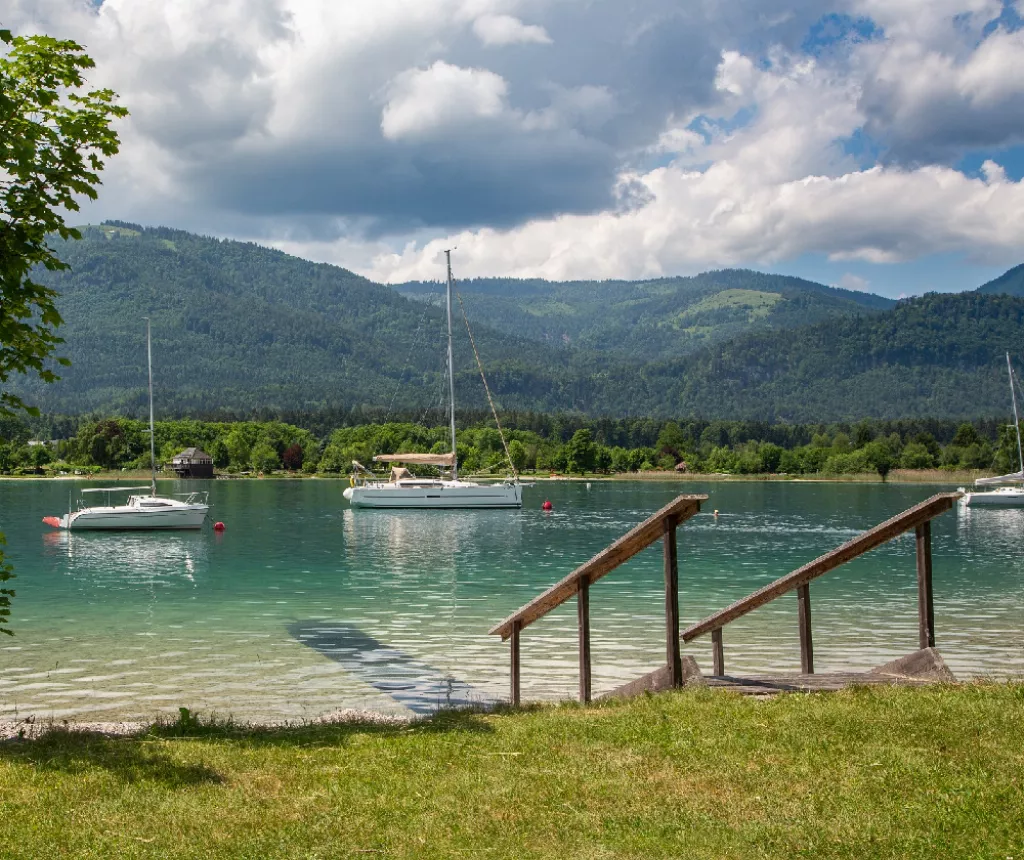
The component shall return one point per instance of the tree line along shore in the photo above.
(536, 444)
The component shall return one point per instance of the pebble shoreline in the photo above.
(31, 728)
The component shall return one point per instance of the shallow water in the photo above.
(304, 606)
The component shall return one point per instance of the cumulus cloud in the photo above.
(656, 138)
(441, 98)
(775, 189)
(933, 104)
(506, 30)
(850, 281)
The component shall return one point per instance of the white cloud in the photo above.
(775, 189)
(850, 281)
(441, 98)
(506, 30)
(647, 143)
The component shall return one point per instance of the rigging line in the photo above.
(487, 388)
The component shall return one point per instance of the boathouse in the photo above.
(193, 463)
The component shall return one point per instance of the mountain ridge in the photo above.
(239, 327)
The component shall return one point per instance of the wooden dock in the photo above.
(922, 666)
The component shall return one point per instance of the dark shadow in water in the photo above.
(421, 688)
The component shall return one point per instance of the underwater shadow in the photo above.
(421, 688)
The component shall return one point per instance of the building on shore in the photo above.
(193, 463)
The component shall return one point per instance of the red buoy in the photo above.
(218, 527)
(547, 506)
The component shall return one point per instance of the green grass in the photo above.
(757, 302)
(899, 772)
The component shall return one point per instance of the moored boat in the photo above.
(1003, 496)
(405, 490)
(140, 511)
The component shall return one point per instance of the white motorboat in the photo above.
(1002, 496)
(405, 490)
(149, 511)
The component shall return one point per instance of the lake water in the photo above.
(303, 606)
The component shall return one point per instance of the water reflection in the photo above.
(138, 558)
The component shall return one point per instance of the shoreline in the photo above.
(896, 476)
(32, 728)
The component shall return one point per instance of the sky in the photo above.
(871, 144)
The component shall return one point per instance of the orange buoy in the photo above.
(218, 526)
(547, 506)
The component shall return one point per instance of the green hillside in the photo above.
(243, 329)
(238, 326)
(658, 319)
(1010, 283)
(937, 355)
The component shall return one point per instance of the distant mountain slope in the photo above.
(664, 318)
(239, 326)
(1009, 283)
(937, 355)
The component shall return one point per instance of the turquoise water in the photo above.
(304, 607)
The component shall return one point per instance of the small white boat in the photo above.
(1003, 496)
(405, 490)
(139, 512)
(151, 511)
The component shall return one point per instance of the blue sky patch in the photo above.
(831, 30)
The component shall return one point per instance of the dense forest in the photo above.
(659, 319)
(243, 331)
(537, 443)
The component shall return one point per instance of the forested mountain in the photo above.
(239, 326)
(937, 355)
(239, 329)
(1009, 283)
(658, 319)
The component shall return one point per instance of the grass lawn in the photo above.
(929, 772)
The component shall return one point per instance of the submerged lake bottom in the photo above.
(304, 607)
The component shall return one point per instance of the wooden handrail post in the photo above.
(672, 656)
(925, 604)
(718, 651)
(583, 620)
(515, 691)
(803, 599)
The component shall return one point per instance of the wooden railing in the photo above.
(918, 518)
(661, 525)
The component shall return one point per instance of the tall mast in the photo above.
(451, 369)
(152, 434)
(1016, 419)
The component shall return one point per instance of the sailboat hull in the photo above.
(1005, 497)
(125, 517)
(439, 495)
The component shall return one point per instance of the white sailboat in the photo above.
(142, 510)
(404, 490)
(1003, 496)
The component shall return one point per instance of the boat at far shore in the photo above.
(1003, 496)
